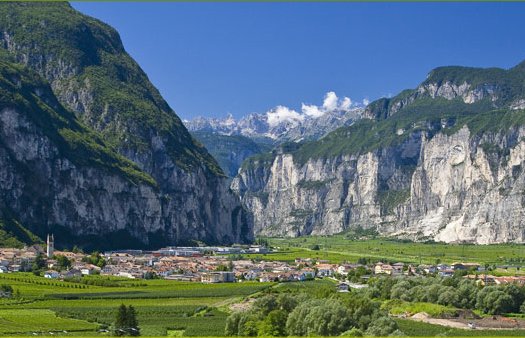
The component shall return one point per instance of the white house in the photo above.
(51, 274)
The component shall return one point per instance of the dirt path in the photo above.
(487, 323)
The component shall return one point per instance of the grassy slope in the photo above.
(424, 114)
(14, 235)
(26, 92)
(83, 52)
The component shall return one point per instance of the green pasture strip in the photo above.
(111, 303)
(398, 307)
(29, 321)
(338, 248)
(156, 320)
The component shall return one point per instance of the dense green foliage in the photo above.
(82, 53)
(26, 92)
(14, 235)
(300, 312)
(453, 292)
(126, 323)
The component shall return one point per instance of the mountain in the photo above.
(440, 162)
(231, 150)
(277, 125)
(256, 133)
(92, 152)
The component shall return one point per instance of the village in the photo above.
(208, 264)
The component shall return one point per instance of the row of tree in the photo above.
(304, 315)
(457, 292)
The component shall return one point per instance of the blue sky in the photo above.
(210, 59)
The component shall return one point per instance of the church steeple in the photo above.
(50, 245)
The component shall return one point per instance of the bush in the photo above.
(323, 318)
(353, 332)
(383, 326)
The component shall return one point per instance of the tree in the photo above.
(265, 305)
(448, 297)
(120, 321)
(362, 261)
(126, 323)
(63, 263)
(232, 324)
(353, 332)
(39, 263)
(327, 317)
(382, 327)
(221, 267)
(132, 322)
(76, 249)
(274, 324)
(492, 300)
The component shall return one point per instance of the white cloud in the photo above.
(366, 101)
(330, 101)
(283, 114)
(311, 110)
(346, 104)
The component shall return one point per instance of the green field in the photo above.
(418, 329)
(194, 309)
(164, 307)
(341, 248)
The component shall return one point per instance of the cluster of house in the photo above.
(485, 279)
(214, 265)
(442, 270)
(21, 260)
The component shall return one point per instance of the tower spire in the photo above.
(50, 245)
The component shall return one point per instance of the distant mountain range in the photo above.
(231, 141)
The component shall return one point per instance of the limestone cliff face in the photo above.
(448, 188)
(444, 162)
(91, 75)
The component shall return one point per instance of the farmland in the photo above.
(192, 308)
(346, 247)
(166, 307)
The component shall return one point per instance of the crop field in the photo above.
(30, 320)
(418, 329)
(340, 248)
(194, 309)
(38, 287)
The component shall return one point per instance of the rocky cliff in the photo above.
(443, 161)
(178, 192)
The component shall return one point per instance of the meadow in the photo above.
(349, 248)
(194, 309)
(47, 307)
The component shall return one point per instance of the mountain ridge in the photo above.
(183, 195)
(440, 162)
